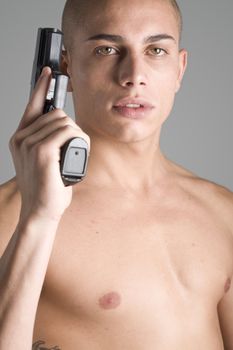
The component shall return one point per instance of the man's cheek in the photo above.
(167, 104)
(166, 95)
(168, 85)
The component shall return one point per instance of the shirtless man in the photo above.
(138, 256)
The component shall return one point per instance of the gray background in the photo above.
(198, 134)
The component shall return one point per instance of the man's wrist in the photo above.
(36, 222)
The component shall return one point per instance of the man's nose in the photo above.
(132, 71)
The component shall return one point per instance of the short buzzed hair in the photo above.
(178, 14)
(74, 15)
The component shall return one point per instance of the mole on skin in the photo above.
(227, 285)
(110, 301)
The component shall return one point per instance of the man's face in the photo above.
(103, 71)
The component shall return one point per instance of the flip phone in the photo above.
(74, 153)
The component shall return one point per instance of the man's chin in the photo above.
(124, 130)
(123, 135)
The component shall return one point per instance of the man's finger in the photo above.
(35, 105)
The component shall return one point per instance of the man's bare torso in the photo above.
(139, 272)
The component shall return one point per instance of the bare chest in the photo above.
(109, 261)
(134, 277)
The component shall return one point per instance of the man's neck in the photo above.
(132, 166)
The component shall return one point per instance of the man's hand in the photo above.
(35, 148)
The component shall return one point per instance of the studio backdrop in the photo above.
(198, 133)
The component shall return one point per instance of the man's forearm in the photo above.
(22, 271)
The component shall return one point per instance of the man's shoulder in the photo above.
(216, 197)
(9, 210)
(217, 194)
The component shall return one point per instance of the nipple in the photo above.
(110, 301)
(227, 285)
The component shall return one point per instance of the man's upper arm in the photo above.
(225, 312)
(225, 307)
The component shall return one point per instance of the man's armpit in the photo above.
(41, 345)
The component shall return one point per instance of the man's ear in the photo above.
(183, 60)
(65, 68)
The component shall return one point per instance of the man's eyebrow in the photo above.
(119, 39)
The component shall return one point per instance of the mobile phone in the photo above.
(74, 153)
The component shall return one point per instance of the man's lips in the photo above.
(133, 100)
(141, 110)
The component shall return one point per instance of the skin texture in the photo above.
(144, 249)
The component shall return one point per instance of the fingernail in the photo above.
(45, 71)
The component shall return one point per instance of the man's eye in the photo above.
(105, 50)
(158, 51)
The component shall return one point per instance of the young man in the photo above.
(140, 254)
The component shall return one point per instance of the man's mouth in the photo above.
(133, 107)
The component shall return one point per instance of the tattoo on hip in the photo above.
(40, 345)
